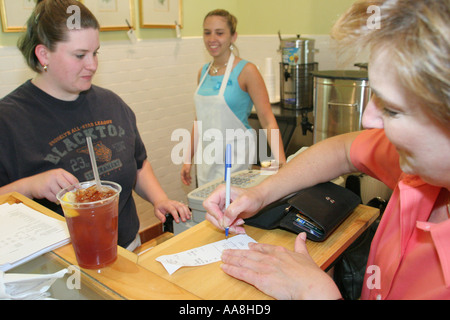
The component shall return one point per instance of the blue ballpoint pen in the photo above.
(227, 181)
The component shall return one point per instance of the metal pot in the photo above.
(340, 97)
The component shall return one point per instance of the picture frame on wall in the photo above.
(15, 13)
(113, 15)
(160, 13)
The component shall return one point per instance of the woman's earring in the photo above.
(45, 68)
(231, 47)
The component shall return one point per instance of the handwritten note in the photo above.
(199, 256)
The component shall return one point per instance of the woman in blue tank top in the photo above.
(245, 88)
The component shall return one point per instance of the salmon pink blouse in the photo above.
(409, 256)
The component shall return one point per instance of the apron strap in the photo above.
(226, 77)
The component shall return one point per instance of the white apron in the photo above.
(218, 126)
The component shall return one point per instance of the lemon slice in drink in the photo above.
(68, 212)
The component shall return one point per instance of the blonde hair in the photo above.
(417, 37)
(231, 20)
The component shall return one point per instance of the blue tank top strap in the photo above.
(240, 66)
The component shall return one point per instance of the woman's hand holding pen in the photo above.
(244, 204)
(218, 215)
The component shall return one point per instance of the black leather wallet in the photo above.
(317, 210)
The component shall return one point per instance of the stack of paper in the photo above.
(26, 233)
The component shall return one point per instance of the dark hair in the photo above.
(48, 25)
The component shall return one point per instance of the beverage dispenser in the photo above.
(296, 82)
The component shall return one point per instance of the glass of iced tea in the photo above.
(92, 215)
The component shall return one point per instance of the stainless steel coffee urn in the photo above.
(296, 82)
(340, 97)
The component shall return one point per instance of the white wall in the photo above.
(157, 78)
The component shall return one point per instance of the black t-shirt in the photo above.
(40, 133)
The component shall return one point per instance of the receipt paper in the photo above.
(203, 255)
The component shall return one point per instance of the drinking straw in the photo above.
(93, 162)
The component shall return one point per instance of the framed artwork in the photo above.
(113, 15)
(15, 13)
(160, 13)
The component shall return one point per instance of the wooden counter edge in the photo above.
(124, 276)
(131, 281)
(325, 252)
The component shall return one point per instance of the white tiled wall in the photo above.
(157, 78)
